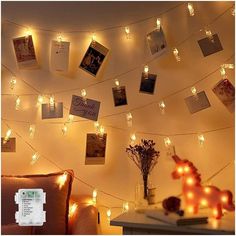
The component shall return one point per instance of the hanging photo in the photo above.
(52, 111)
(60, 56)
(119, 96)
(148, 82)
(94, 58)
(156, 41)
(9, 146)
(24, 51)
(86, 108)
(225, 91)
(209, 46)
(197, 102)
(95, 149)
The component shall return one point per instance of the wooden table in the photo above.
(138, 223)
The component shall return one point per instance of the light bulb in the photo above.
(186, 169)
(167, 141)
(109, 213)
(95, 193)
(190, 209)
(12, 83)
(62, 179)
(158, 22)
(28, 32)
(146, 69)
(117, 83)
(133, 138)
(129, 116)
(34, 158)
(51, 103)
(209, 35)
(194, 91)
(228, 66)
(223, 72)
(176, 54)
(72, 209)
(31, 131)
(59, 38)
(7, 136)
(127, 32)
(190, 195)
(17, 105)
(215, 213)
(190, 9)
(101, 131)
(96, 125)
(201, 139)
(125, 206)
(204, 202)
(162, 107)
(224, 199)
(64, 129)
(70, 118)
(83, 93)
(190, 181)
(207, 190)
(93, 37)
(180, 170)
(40, 100)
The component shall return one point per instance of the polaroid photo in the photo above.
(209, 47)
(157, 42)
(49, 111)
(225, 91)
(197, 102)
(119, 96)
(9, 146)
(148, 82)
(93, 58)
(88, 108)
(60, 56)
(95, 149)
(24, 51)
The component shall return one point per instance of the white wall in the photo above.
(119, 175)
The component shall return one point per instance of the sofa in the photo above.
(59, 218)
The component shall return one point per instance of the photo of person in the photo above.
(148, 83)
(24, 49)
(94, 58)
(156, 41)
(95, 149)
(119, 96)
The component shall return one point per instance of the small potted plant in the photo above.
(145, 158)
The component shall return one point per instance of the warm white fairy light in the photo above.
(146, 69)
(72, 209)
(32, 130)
(223, 72)
(12, 83)
(34, 158)
(83, 93)
(7, 136)
(93, 37)
(61, 180)
(162, 107)
(228, 66)
(17, 105)
(40, 100)
(133, 138)
(194, 91)
(176, 54)
(101, 131)
(190, 9)
(129, 119)
(96, 125)
(64, 129)
(109, 214)
(158, 22)
(167, 141)
(95, 194)
(125, 207)
(51, 103)
(201, 139)
(127, 32)
(70, 118)
(209, 34)
(117, 83)
(28, 32)
(59, 38)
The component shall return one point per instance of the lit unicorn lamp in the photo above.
(195, 194)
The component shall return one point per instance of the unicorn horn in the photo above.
(176, 158)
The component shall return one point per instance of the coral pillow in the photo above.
(57, 199)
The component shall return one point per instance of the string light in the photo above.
(95, 193)
(64, 129)
(59, 38)
(146, 70)
(40, 100)
(83, 94)
(117, 83)
(158, 22)
(227, 66)
(129, 119)
(201, 139)
(7, 136)
(12, 83)
(96, 125)
(190, 195)
(51, 103)
(72, 209)
(209, 35)
(34, 158)
(162, 107)
(207, 190)
(17, 105)
(190, 209)
(32, 131)
(109, 214)
(62, 179)
(224, 199)
(125, 207)
(101, 131)
(223, 72)
(190, 9)
(70, 118)
(167, 141)
(190, 181)
(93, 37)
(132, 138)
(204, 202)
(28, 32)
(176, 54)
(127, 32)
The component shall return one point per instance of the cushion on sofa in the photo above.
(57, 199)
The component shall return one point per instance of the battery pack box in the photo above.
(30, 207)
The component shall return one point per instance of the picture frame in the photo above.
(119, 96)
(49, 112)
(148, 82)
(9, 146)
(25, 51)
(94, 58)
(95, 149)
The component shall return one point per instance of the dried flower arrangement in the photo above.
(145, 158)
